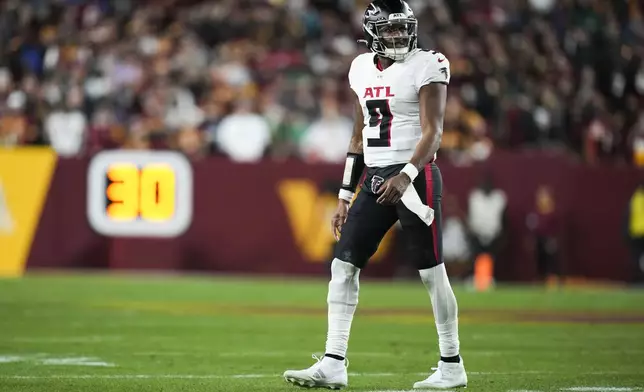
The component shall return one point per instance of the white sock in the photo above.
(445, 308)
(342, 300)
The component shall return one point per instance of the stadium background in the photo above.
(544, 95)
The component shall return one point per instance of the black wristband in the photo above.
(353, 169)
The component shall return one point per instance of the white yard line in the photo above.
(76, 361)
(181, 376)
(414, 390)
(64, 340)
(132, 376)
(266, 375)
(600, 389)
(48, 359)
(524, 390)
(402, 390)
(10, 358)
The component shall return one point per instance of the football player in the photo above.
(399, 107)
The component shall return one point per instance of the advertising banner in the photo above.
(25, 175)
(120, 212)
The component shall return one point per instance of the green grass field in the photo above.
(136, 333)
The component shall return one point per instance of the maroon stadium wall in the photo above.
(273, 218)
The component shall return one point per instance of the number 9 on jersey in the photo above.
(134, 194)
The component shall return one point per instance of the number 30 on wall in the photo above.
(140, 194)
(146, 193)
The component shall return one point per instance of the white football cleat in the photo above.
(446, 375)
(327, 373)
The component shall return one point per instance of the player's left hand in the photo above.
(392, 190)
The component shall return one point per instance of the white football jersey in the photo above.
(390, 103)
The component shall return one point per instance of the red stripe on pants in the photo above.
(429, 182)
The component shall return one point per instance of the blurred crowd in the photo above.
(254, 79)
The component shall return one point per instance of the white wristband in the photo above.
(346, 195)
(411, 171)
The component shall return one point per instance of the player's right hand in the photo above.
(339, 217)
